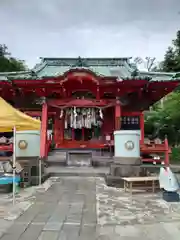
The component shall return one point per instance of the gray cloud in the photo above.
(33, 28)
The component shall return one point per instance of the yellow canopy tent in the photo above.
(12, 120)
(11, 117)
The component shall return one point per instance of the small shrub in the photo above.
(175, 155)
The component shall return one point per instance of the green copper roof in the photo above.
(119, 67)
(159, 76)
(116, 67)
(8, 75)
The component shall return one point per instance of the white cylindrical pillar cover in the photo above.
(127, 143)
(32, 139)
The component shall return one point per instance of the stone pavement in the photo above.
(84, 208)
(77, 171)
(24, 199)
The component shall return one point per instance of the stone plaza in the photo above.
(77, 207)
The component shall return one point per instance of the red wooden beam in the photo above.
(142, 126)
(44, 123)
(131, 114)
(38, 113)
(80, 102)
(133, 83)
(163, 84)
(44, 87)
(54, 84)
(88, 80)
(6, 148)
(117, 116)
(166, 152)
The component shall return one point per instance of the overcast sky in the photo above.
(88, 28)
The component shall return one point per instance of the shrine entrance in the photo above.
(81, 127)
(86, 112)
(83, 124)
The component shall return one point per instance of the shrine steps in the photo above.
(60, 171)
(91, 157)
(56, 158)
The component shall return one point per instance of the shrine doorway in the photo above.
(83, 124)
(83, 134)
(88, 134)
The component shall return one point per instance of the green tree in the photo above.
(169, 62)
(176, 43)
(4, 50)
(9, 63)
(171, 118)
(165, 121)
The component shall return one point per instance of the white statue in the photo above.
(167, 180)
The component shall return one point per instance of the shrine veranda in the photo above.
(84, 100)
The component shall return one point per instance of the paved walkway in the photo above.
(84, 208)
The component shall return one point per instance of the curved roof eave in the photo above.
(158, 73)
(88, 58)
(14, 73)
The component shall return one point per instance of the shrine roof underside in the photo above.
(103, 78)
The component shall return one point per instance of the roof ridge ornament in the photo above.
(80, 63)
(135, 73)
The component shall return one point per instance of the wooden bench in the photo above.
(5, 159)
(153, 182)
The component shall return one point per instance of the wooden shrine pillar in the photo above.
(117, 116)
(61, 129)
(44, 126)
(141, 116)
(58, 128)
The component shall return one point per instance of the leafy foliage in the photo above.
(175, 155)
(9, 63)
(171, 61)
(166, 120)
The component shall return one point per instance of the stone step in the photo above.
(77, 158)
(77, 171)
(95, 162)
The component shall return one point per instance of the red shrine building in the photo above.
(84, 100)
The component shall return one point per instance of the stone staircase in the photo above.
(56, 158)
(78, 158)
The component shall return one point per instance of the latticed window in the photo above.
(130, 123)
